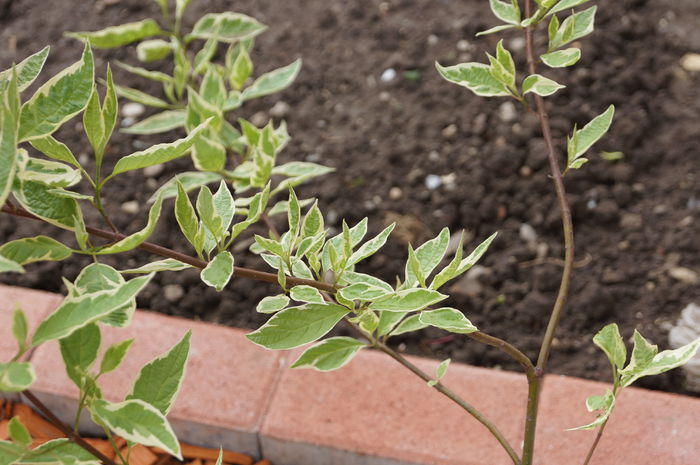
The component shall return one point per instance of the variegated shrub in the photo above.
(319, 278)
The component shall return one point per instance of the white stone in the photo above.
(153, 170)
(131, 207)
(691, 62)
(433, 181)
(173, 292)
(507, 112)
(388, 75)
(132, 109)
(280, 109)
(528, 233)
(684, 275)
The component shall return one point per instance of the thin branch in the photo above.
(75, 438)
(270, 225)
(595, 442)
(195, 262)
(567, 226)
(507, 348)
(493, 429)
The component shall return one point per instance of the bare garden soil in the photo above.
(637, 220)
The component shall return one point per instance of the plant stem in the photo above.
(567, 226)
(195, 262)
(66, 430)
(455, 398)
(595, 442)
(507, 348)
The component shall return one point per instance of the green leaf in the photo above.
(562, 58)
(565, 5)
(330, 354)
(272, 304)
(429, 256)
(297, 326)
(500, 28)
(27, 70)
(76, 312)
(218, 272)
(18, 432)
(114, 355)
(505, 11)
(152, 50)
(371, 246)
(208, 154)
(189, 180)
(459, 266)
(540, 85)
(79, 351)
(226, 27)
(138, 422)
(160, 380)
(475, 77)
(116, 36)
(137, 96)
(209, 215)
(58, 100)
(590, 134)
(241, 69)
(186, 216)
(20, 328)
(10, 266)
(449, 319)
(51, 173)
(646, 361)
(54, 209)
(363, 292)
(387, 322)
(293, 214)
(169, 264)
(134, 240)
(605, 404)
(442, 368)
(9, 113)
(158, 123)
(610, 341)
(159, 153)
(410, 300)
(56, 452)
(301, 168)
(574, 27)
(308, 294)
(35, 249)
(180, 6)
(147, 73)
(55, 149)
(410, 324)
(272, 82)
(16, 376)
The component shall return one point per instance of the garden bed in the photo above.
(636, 219)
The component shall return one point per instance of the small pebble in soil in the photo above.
(259, 119)
(131, 207)
(128, 121)
(434, 155)
(384, 96)
(173, 292)
(139, 144)
(463, 45)
(687, 329)
(280, 109)
(516, 44)
(691, 62)
(527, 233)
(153, 171)
(507, 112)
(684, 275)
(631, 221)
(525, 171)
(433, 181)
(433, 39)
(449, 180)
(449, 132)
(132, 109)
(388, 75)
(395, 193)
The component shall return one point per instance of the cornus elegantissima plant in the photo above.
(319, 275)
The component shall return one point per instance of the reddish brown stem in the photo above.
(567, 226)
(197, 263)
(70, 434)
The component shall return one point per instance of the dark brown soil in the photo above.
(635, 219)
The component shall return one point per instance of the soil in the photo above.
(636, 219)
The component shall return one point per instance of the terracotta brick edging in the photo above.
(371, 412)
